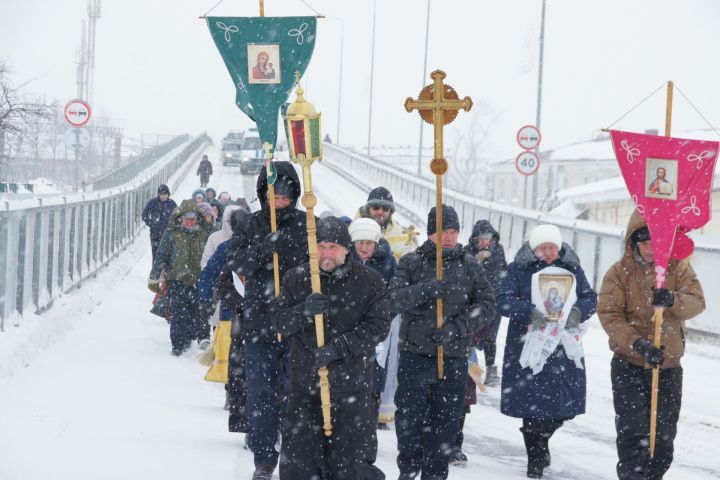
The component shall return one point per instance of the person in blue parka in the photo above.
(557, 393)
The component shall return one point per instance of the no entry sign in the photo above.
(528, 137)
(527, 163)
(77, 112)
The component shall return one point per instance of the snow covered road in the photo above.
(89, 390)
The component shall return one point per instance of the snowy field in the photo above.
(89, 390)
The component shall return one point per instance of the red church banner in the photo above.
(670, 181)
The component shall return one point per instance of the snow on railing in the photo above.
(50, 245)
(598, 246)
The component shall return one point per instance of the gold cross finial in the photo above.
(411, 233)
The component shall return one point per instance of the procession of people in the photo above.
(387, 358)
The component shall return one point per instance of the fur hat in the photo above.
(381, 197)
(206, 209)
(364, 229)
(333, 230)
(545, 234)
(449, 219)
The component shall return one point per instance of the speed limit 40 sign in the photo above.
(527, 163)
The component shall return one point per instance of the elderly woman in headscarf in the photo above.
(553, 390)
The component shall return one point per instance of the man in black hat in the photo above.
(251, 255)
(156, 215)
(204, 170)
(428, 408)
(380, 207)
(355, 306)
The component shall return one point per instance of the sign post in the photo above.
(528, 162)
(77, 114)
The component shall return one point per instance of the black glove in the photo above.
(206, 309)
(316, 303)
(274, 243)
(574, 318)
(442, 336)
(538, 319)
(325, 355)
(662, 297)
(436, 288)
(650, 353)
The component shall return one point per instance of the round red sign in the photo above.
(77, 112)
(527, 163)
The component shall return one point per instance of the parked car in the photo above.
(252, 153)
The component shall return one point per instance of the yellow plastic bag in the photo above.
(219, 370)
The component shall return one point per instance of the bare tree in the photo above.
(470, 159)
(20, 116)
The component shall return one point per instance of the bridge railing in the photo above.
(598, 246)
(50, 245)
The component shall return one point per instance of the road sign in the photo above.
(527, 163)
(76, 139)
(77, 112)
(528, 137)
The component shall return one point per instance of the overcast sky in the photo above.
(157, 68)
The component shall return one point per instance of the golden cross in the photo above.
(438, 105)
(411, 233)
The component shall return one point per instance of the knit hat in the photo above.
(381, 197)
(332, 229)
(364, 229)
(545, 234)
(206, 209)
(450, 220)
(285, 186)
(163, 189)
(640, 235)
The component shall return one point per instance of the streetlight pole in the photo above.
(427, 36)
(539, 101)
(372, 66)
(342, 37)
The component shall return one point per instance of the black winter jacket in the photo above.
(469, 306)
(156, 216)
(247, 257)
(358, 319)
(495, 265)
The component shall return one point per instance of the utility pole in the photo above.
(539, 102)
(372, 66)
(81, 61)
(93, 16)
(427, 36)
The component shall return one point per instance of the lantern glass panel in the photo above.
(298, 135)
(315, 135)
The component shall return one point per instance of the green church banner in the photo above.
(262, 55)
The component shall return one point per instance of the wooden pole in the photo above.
(438, 157)
(262, 8)
(658, 317)
(273, 227)
(309, 201)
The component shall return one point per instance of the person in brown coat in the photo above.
(626, 308)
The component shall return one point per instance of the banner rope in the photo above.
(636, 106)
(213, 8)
(697, 111)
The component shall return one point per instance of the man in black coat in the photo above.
(484, 244)
(204, 170)
(428, 408)
(356, 311)
(251, 256)
(156, 216)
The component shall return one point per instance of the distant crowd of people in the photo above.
(213, 261)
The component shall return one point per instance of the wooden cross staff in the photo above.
(438, 105)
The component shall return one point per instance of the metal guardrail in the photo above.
(604, 244)
(50, 245)
(131, 170)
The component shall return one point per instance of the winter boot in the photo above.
(534, 453)
(458, 458)
(227, 401)
(263, 472)
(408, 476)
(491, 377)
(544, 439)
